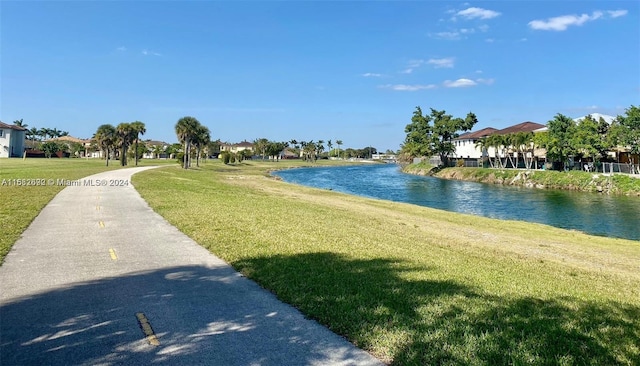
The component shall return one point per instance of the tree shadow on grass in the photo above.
(425, 322)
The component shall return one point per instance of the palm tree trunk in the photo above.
(185, 158)
(136, 152)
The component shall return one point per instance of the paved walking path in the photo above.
(98, 278)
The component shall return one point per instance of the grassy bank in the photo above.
(573, 180)
(21, 204)
(410, 284)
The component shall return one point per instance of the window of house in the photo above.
(1, 133)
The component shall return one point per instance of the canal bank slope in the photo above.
(543, 179)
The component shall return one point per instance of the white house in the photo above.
(465, 144)
(12, 139)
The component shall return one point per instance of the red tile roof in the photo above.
(477, 134)
(520, 127)
(13, 127)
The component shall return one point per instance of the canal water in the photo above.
(593, 213)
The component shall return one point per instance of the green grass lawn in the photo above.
(414, 285)
(21, 204)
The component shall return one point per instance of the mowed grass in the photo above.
(21, 204)
(413, 285)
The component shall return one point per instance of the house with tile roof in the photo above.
(12, 139)
(465, 144)
(234, 148)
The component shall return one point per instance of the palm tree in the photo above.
(64, 133)
(105, 137)
(319, 148)
(495, 141)
(55, 133)
(20, 123)
(125, 136)
(483, 145)
(202, 138)
(339, 143)
(261, 146)
(329, 145)
(138, 129)
(44, 132)
(186, 128)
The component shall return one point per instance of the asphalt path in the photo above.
(99, 278)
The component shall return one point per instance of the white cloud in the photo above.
(522, 40)
(150, 53)
(617, 13)
(478, 71)
(371, 75)
(561, 23)
(485, 81)
(405, 87)
(121, 48)
(460, 83)
(478, 13)
(489, 40)
(483, 28)
(412, 65)
(451, 36)
(442, 62)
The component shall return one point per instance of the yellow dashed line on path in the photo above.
(101, 223)
(113, 255)
(98, 208)
(150, 336)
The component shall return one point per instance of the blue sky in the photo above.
(310, 70)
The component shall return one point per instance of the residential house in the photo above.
(12, 139)
(68, 140)
(155, 149)
(466, 148)
(465, 144)
(234, 148)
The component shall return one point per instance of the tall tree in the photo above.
(445, 129)
(186, 128)
(105, 138)
(496, 142)
(125, 136)
(261, 146)
(587, 140)
(339, 143)
(625, 131)
(201, 139)
(319, 148)
(417, 142)
(20, 123)
(329, 146)
(44, 132)
(275, 148)
(55, 133)
(138, 129)
(560, 130)
(483, 145)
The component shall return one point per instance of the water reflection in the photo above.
(589, 212)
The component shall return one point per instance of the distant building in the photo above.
(234, 148)
(155, 149)
(68, 140)
(11, 140)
